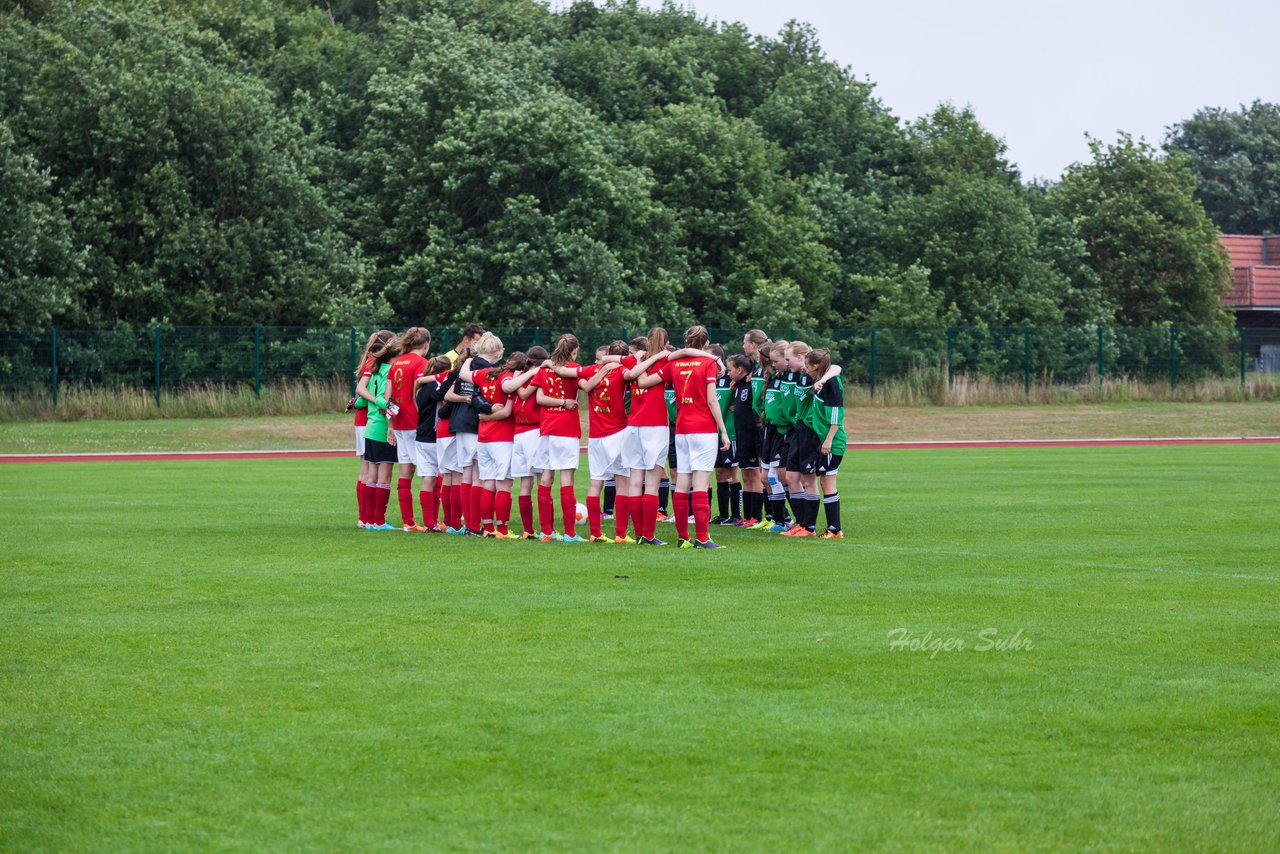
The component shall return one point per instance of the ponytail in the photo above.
(564, 349)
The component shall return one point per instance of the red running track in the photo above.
(166, 456)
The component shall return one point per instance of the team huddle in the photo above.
(661, 421)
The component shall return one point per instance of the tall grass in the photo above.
(920, 387)
(929, 387)
(208, 400)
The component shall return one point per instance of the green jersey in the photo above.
(758, 383)
(789, 400)
(376, 429)
(724, 393)
(802, 395)
(825, 409)
(669, 393)
(774, 405)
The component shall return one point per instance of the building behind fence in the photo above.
(161, 358)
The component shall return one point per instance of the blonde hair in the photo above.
(798, 348)
(696, 337)
(488, 345)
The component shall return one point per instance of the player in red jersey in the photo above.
(431, 387)
(645, 445)
(698, 422)
(606, 422)
(402, 379)
(525, 465)
(560, 447)
(498, 387)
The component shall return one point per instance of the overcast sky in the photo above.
(1042, 75)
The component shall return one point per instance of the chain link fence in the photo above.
(165, 358)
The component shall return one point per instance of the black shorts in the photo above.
(379, 452)
(671, 450)
(771, 448)
(803, 451)
(828, 463)
(784, 450)
(727, 459)
(747, 449)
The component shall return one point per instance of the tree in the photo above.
(1154, 250)
(1235, 158)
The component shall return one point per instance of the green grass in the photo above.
(209, 655)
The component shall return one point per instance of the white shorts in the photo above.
(407, 447)
(494, 459)
(604, 456)
(360, 441)
(427, 465)
(560, 452)
(644, 448)
(465, 446)
(446, 458)
(696, 452)
(524, 453)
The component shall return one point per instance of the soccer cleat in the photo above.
(763, 525)
(651, 541)
(686, 544)
(717, 520)
(698, 544)
(528, 536)
(606, 516)
(624, 541)
(803, 532)
(732, 521)
(467, 532)
(832, 535)
(549, 538)
(489, 535)
(605, 540)
(409, 529)
(747, 523)
(385, 526)
(502, 535)
(574, 539)
(663, 517)
(777, 528)
(362, 525)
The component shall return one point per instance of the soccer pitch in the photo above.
(1030, 648)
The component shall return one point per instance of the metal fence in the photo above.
(161, 358)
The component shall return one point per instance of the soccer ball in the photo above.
(580, 513)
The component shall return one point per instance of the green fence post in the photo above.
(951, 374)
(1173, 357)
(873, 363)
(354, 366)
(1026, 357)
(1242, 357)
(53, 371)
(257, 360)
(537, 336)
(1101, 333)
(156, 335)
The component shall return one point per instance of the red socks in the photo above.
(474, 504)
(486, 509)
(427, 498)
(680, 507)
(404, 488)
(593, 514)
(381, 498)
(621, 514)
(526, 513)
(360, 502)
(568, 509)
(464, 505)
(701, 515)
(546, 511)
(502, 510)
(648, 522)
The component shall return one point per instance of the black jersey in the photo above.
(744, 417)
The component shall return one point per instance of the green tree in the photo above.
(1156, 253)
(1235, 158)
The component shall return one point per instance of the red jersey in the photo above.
(648, 405)
(362, 412)
(690, 378)
(489, 381)
(559, 422)
(605, 403)
(404, 373)
(528, 413)
(442, 423)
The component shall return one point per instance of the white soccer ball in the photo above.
(580, 513)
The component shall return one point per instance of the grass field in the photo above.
(207, 655)
(864, 423)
